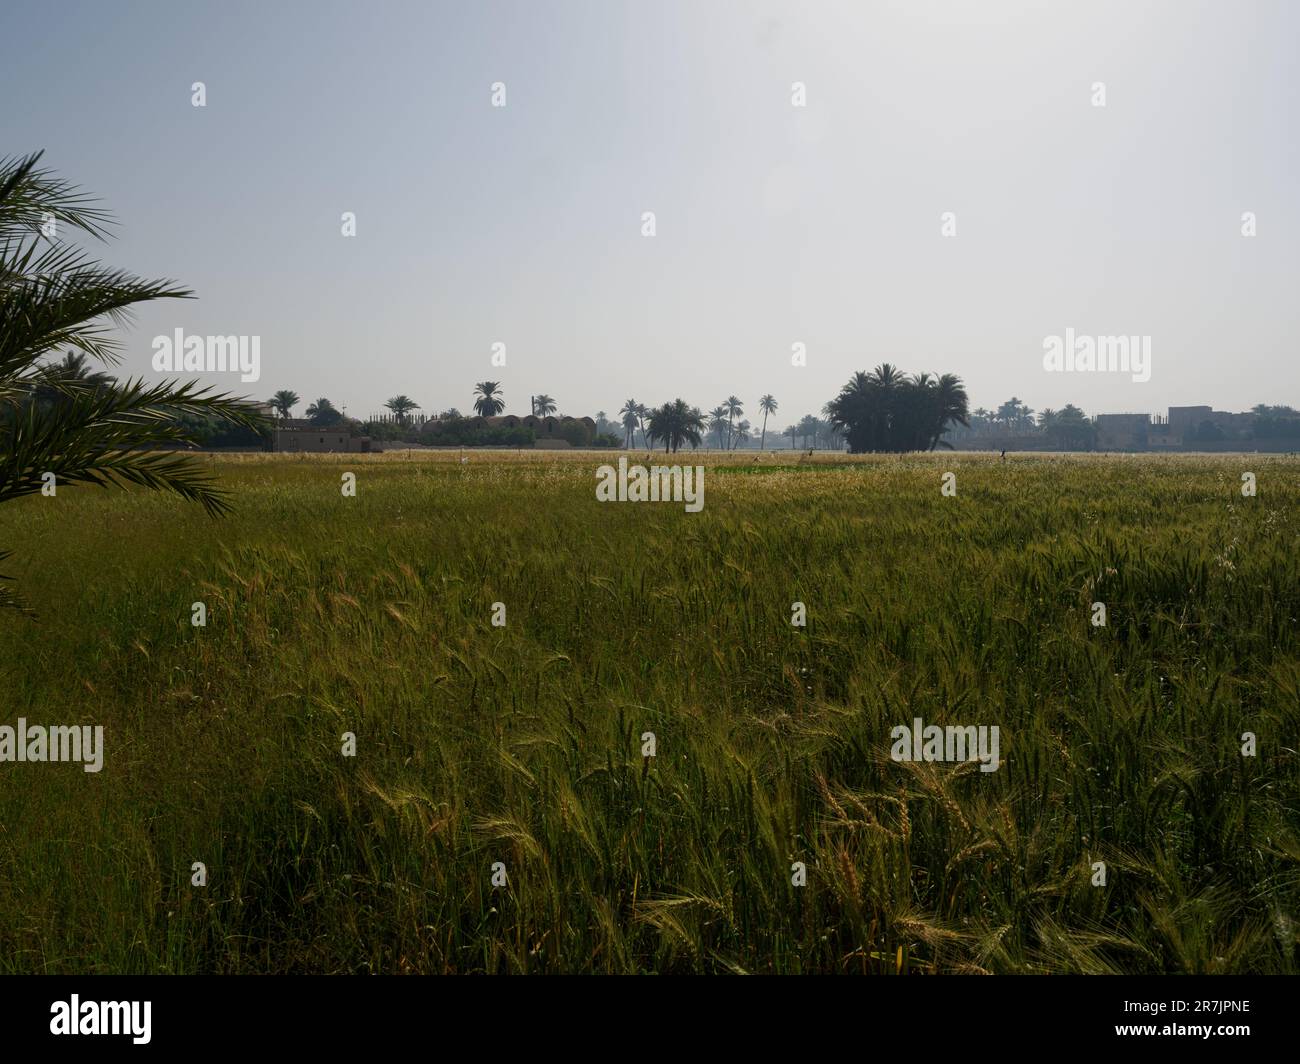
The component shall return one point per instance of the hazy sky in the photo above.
(775, 224)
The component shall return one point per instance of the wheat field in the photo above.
(515, 751)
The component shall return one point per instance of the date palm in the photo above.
(768, 405)
(401, 406)
(75, 369)
(734, 410)
(629, 429)
(73, 372)
(284, 401)
(718, 422)
(55, 295)
(887, 411)
(489, 401)
(676, 423)
(323, 412)
(807, 427)
(631, 416)
(543, 405)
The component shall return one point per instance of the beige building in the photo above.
(318, 440)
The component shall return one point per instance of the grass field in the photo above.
(522, 744)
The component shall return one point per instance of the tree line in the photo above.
(883, 410)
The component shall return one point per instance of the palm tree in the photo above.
(631, 414)
(54, 295)
(742, 432)
(323, 412)
(768, 405)
(792, 431)
(676, 423)
(56, 379)
(953, 407)
(543, 405)
(718, 422)
(808, 426)
(75, 369)
(1073, 429)
(284, 401)
(1014, 414)
(489, 402)
(886, 411)
(642, 412)
(401, 406)
(734, 410)
(629, 429)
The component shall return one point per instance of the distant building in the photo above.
(1187, 428)
(1193, 426)
(1184, 419)
(1122, 432)
(294, 435)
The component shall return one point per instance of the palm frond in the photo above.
(115, 436)
(29, 196)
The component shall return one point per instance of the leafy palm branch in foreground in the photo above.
(54, 295)
(95, 438)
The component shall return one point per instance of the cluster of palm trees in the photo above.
(885, 410)
(634, 415)
(1069, 428)
(725, 421)
(813, 432)
(674, 424)
(322, 412)
(489, 400)
(1012, 416)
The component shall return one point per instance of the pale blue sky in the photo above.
(775, 224)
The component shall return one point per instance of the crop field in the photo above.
(587, 737)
